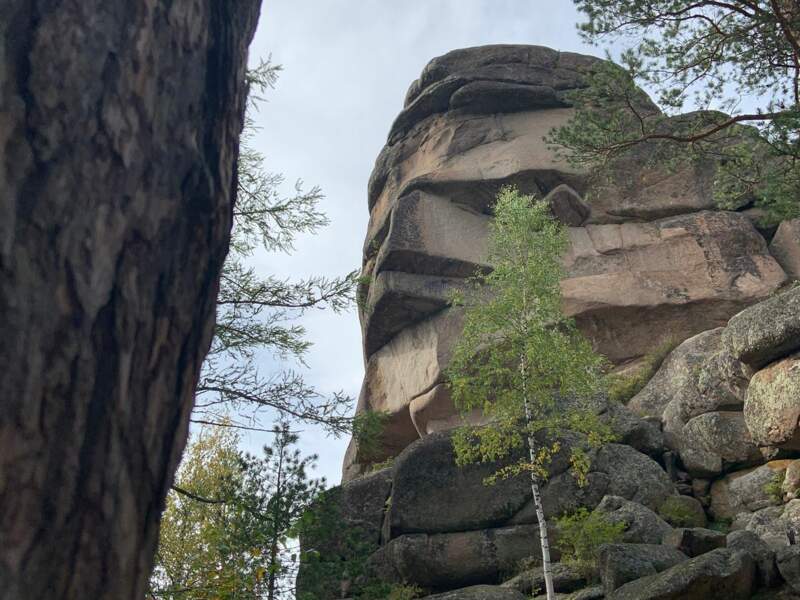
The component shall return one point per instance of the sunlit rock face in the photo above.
(650, 256)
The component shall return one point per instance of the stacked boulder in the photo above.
(705, 474)
(650, 256)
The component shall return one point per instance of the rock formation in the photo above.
(712, 440)
(651, 258)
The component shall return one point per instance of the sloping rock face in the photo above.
(650, 257)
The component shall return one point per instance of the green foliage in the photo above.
(774, 488)
(676, 513)
(621, 388)
(384, 464)
(389, 591)
(226, 533)
(717, 56)
(580, 536)
(518, 348)
(721, 525)
(368, 428)
(258, 314)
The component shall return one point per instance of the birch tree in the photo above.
(521, 361)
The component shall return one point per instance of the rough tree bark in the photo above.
(119, 128)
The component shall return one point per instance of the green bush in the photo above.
(622, 388)
(580, 536)
(676, 513)
(390, 591)
(774, 489)
(721, 525)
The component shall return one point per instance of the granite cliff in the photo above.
(651, 259)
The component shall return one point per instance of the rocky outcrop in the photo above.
(620, 563)
(785, 247)
(650, 256)
(721, 573)
(767, 331)
(709, 440)
(772, 409)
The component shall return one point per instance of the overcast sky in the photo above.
(347, 66)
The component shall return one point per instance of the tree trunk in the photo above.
(119, 129)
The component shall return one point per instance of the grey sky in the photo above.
(347, 65)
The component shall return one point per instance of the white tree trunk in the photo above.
(537, 502)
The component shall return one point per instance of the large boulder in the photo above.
(447, 561)
(432, 494)
(620, 563)
(641, 525)
(763, 556)
(716, 442)
(767, 331)
(788, 561)
(565, 580)
(628, 291)
(772, 406)
(785, 247)
(778, 526)
(695, 541)
(650, 257)
(747, 491)
(721, 573)
(479, 592)
(698, 377)
(616, 470)
(698, 394)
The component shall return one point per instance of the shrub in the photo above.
(390, 591)
(721, 525)
(677, 513)
(774, 488)
(580, 536)
(622, 388)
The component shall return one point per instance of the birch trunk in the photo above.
(119, 130)
(537, 498)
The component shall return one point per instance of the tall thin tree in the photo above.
(521, 361)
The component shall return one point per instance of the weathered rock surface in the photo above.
(479, 592)
(683, 511)
(432, 494)
(694, 541)
(565, 580)
(785, 247)
(764, 557)
(642, 525)
(717, 442)
(788, 561)
(767, 331)
(620, 563)
(649, 258)
(772, 406)
(680, 275)
(446, 561)
(722, 573)
(776, 525)
(745, 491)
(699, 376)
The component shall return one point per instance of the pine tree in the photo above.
(520, 360)
(227, 532)
(257, 314)
(737, 63)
